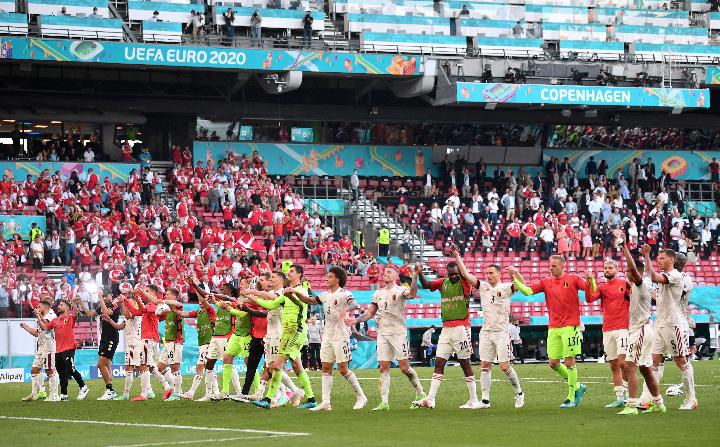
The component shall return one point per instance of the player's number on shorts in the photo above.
(573, 341)
(623, 342)
(345, 349)
(464, 345)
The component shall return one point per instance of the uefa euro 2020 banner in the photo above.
(327, 159)
(206, 57)
(114, 172)
(582, 95)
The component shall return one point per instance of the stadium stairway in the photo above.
(161, 169)
(377, 215)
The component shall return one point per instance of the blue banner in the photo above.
(12, 224)
(332, 207)
(582, 95)
(301, 135)
(24, 48)
(712, 75)
(326, 159)
(681, 165)
(245, 133)
(115, 172)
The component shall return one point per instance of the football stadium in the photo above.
(359, 222)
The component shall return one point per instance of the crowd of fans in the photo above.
(559, 210)
(230, 220)
(634, 138)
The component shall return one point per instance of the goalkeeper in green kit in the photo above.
(294, 335)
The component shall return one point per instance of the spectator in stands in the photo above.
(714, 168)
(383, 241)
(37, 252)
(547, 236)
(255, 23)
(373, 274)
(229, 17)
(95, 14)
(198, 22)
(69, 245)
(464, 12)
(307, 23)
(63, 11)
(517, 30)
(355, 185)
(155, 17)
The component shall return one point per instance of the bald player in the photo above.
(614, 297)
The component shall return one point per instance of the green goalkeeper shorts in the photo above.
(238, 346)
(291, 343)
(563, 342)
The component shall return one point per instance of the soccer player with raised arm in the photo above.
(563, 304)
(273, 336)
(494, 338)
(205, 322)
(615, 303)
(109, 337)
(239, 344)
(639, 350)
(388, 309)
(63, 326)
(670, 334)
(335, 344)
(149, 338)
(455, 335)
(294, 335)
(44, 357)
(171, 355)
(133, 341)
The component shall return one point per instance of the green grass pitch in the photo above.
(541, 422)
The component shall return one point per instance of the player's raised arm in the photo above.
(40, 320)
(84, 308)
(519, 281)
(294, 295)
(269, 304)
(367, 315)
(253, 312)
(200, 292)
(656, 277)
(591, 292)
(423, 280)
(461, 267)
(412, 293)
(32, 331)
(633, 272)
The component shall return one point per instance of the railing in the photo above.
(338, 225)
(699, 191)
(369, 206)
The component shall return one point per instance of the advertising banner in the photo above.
(326, 159)
(582, 95)
(115, 172)
(61, 50)
(12, 224)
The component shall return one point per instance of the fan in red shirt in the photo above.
(561, 297)
(63, 326)
(615, 296)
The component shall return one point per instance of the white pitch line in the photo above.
(177, 427)
(196, 441)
